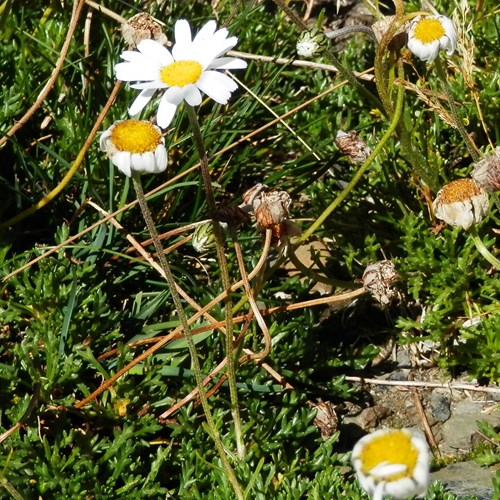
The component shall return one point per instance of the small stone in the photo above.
(440, 406)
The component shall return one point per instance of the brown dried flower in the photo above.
(461, 203)
(378, 279)
(142, 27)
(272, 208)
(351, 145)
(487, 172)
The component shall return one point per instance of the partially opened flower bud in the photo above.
(392, 462)
(311, 43)
(142, 27)
(378, 279)
(461, 203)
(203, 237)
(487, 172)
(273, 208)
(351, 145)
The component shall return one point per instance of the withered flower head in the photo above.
(142, 27)
(351, 145)
(251, 197)
(461, 203)
(272, 208)
(378, 279)
(487, 172)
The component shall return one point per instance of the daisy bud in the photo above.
(392, 462)
(203, 237)
(487, 172)
(273, 208)
(461, 203)
(142, 27)
(310, 43)
(430, 34)
(135, 145)
(351, 145)
(378, 279)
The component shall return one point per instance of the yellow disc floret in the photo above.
(393, 447)
(459, 190)
(429, 30)
(181, 73)
(135, 136)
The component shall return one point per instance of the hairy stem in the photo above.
(212, 428)
(221, 256)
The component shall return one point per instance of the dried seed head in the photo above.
(461, 203)
(142, 27)
(273, 208)
(282, 232)
(351, 145)
(378, 279)
(251, 197)
(381, 27)
(487, 172)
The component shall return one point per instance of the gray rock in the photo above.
(459, 430)
(466, 479)
(439, 405)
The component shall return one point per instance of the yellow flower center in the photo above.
(394, 447)
(429, 30)
(135, 136)
(181, 73)
(459, 190)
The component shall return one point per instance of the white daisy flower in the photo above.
(461, 203)
(392, 462)
(429, 34)
(182, 73)
(134, 145)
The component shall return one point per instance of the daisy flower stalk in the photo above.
(136, 146)
(392, 462)
(194, 65)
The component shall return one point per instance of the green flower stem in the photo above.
(347, 74)
(482, 249)
(221, 256)
(384, 86)
(136, 179)
(454, 111)
(357, 176)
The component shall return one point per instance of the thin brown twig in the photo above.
(423, 417)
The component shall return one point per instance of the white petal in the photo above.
(103, 139)
(174, 95)
(217, 86)
(140, 101)
(122, 161)
(132, 56)
(161, 158)
(129, 72)
(227, 63)
(155, 51)
(182, 33)
(192, 95)
(148, 85)
(207, 31)
(166, 112)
